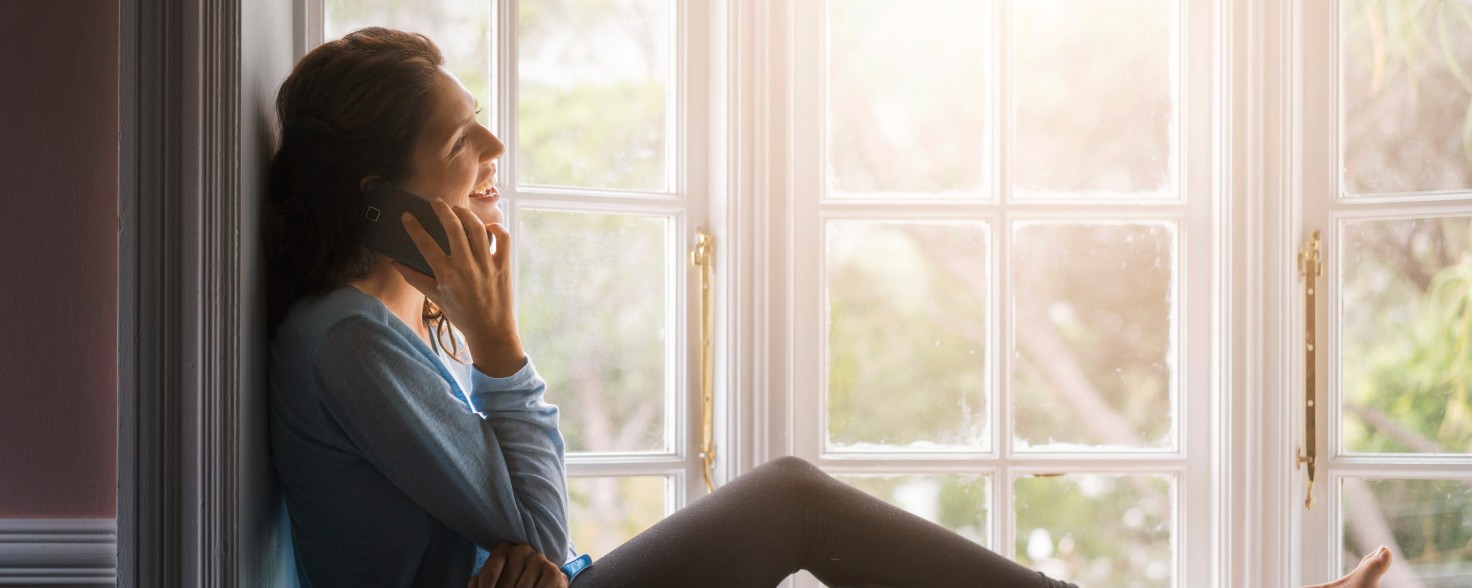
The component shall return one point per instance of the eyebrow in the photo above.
(473, 113)
(465, 122)
(476, 103)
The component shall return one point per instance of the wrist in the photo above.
(498, 357)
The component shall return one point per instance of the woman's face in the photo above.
(454, 156)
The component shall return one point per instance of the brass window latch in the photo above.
(703, 257)
(1310, 267)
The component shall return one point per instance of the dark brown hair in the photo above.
(351, 108)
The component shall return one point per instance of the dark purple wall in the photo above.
(58, 258)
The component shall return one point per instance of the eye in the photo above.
(460, 143)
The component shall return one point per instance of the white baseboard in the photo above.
(59, 552)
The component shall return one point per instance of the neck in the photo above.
(387, 285)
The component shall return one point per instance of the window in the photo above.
(1388, 181)
(1001, 273)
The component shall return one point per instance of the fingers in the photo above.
(480, 242)
(552, 576)
(454, 229)
(490, 573)
(531, 577)
(518, 566)
(424, 243)
(503, 244)
(518, 560)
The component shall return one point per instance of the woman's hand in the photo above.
(472, 285)
(518, 566)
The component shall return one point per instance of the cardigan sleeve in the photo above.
(493, 479)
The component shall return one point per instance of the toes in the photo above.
(1378, 561)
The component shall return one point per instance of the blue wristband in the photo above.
(576, 566)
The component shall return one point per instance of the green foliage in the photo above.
(1407, 87)
(608, 136)
(1407, 364)
(1430, 521)
(1408, 353)
(957, 502)
(1105, 292)
(604, 512)
(1105, 530)
(907, 339)
(593, 311)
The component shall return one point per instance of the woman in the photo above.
(403, 443)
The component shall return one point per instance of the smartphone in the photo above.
(384, 205)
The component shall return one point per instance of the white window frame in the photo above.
(1317, 128)
(684, 202)
(1258, 175)
(788, 406)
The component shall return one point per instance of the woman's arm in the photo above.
(493, 480)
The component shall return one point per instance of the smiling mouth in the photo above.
(485, 190)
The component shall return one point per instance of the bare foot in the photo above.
(1365, 575)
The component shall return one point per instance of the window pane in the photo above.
(1097, 530)
(956, 502)
(461, 29)
(907, 96)
(1094, 311)
(593, 94)
(1407, 336)
(907, 334)
(1426, 523)
(605, 512)
(1093, 96)
(593, 312)
(1407, 95)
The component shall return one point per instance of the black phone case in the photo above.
(384, 207)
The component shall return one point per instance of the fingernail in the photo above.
(407, 217)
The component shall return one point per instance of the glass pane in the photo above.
(1407, 95)
(956, 502)
(1093, 97)
(1426, 523)
(592, 307)
(907, 96)
(1407, 336)
(907, 332)
(593, 95)
(1094, 309)
(605, 512)
(461, 29)
(1097, 530)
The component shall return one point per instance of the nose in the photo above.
(494, 149)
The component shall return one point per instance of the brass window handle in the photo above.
(703, 257)
(1310, 267)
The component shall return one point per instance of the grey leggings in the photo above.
(786, 516)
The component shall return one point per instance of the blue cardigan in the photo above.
(392, 471)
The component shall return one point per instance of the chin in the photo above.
(487, 213)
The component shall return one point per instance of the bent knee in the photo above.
(794, 473)
(788, 465)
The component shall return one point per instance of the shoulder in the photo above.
(339, 320)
